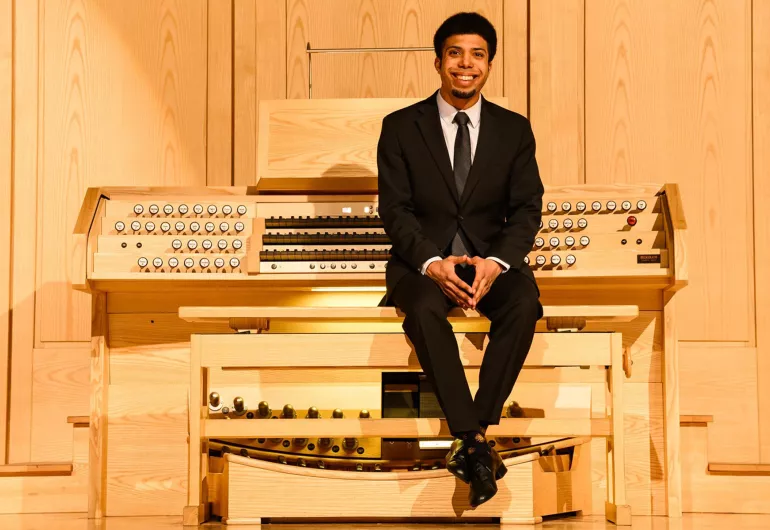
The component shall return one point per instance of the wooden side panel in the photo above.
(557, 81)
(327, 24)
(147, 457)
(721, 380)
(24, 199)
(219, 113)
(666, 100)
(761, 120)
(60, 389)
(645, 448)
(6, 175)
(124, 98)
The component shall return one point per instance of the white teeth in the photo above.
(465, 77)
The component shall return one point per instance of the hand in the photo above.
(443, 273)
(487, 271)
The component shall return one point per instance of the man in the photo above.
(460, 197)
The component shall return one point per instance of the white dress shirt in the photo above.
(447, 113)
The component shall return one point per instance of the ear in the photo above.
(437, 64)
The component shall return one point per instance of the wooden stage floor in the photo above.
(80, 522)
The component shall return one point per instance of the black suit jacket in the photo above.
(500, 208)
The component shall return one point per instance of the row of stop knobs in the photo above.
(597, 206)
(288, 412)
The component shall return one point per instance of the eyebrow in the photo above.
(455, 47)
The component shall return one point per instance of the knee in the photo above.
(525, 306)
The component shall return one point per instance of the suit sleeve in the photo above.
(525, 204)
(396, 203)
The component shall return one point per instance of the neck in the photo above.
(458, 103)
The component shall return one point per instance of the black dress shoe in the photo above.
(498, 462)
(457, 461)
(483, 468)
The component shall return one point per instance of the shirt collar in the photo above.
(447, 111)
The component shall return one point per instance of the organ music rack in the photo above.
(316, 164)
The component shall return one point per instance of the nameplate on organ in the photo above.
(313, 218)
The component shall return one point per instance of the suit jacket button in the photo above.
(460, 218)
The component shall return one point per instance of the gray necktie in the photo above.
(462, 166)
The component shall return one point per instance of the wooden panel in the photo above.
(244, 92)
(761, 136)
(56, 494)
(60, 389)
(219, 113)
(515, 41)
(147, 459)
(328, 24)
(6, 176)
(125, 100)
(302, 141)
(721, 380)
(388, 350)
(24, 197)
(712, 493)
(271, 59)
(666, 94)
(556, 76)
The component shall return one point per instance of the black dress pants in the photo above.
(513, 307)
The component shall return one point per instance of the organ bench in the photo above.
(525, 495)
(307, 239)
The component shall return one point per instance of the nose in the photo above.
(466, 60)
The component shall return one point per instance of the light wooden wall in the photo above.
(107, 92)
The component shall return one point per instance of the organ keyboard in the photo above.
(308, 235)
(584, 234)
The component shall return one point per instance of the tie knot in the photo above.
(461, 119)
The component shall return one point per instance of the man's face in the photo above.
(464, 66)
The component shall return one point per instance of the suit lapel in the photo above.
(430, 127)
(485, 149)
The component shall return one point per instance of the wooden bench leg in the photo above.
(620, 515)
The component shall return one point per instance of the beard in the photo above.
(468, 94)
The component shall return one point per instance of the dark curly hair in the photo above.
(466, 24)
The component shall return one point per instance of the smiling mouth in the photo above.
(464, 77)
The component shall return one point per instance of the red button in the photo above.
(631, 220)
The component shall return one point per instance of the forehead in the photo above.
(466, 42)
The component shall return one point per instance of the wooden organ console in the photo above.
(217, 308)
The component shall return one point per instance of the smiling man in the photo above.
(460, 197)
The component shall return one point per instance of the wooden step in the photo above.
(740, 469)
(79, 421)
(52, 469)
(695, 420)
